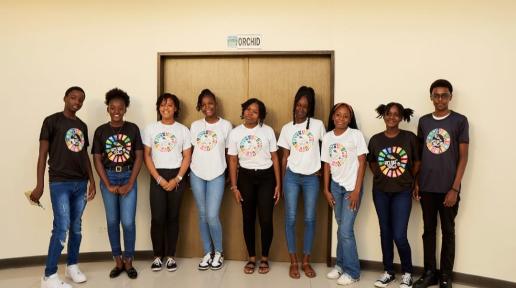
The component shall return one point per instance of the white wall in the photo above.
(384, 50)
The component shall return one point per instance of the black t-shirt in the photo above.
(68, 140)
(440, 141)
(117, 145)
(395, 158)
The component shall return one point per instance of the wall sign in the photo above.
(245, 41)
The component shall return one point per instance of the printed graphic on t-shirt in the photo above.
(338, 154)
(165, 142)
(303, 140)
(392, 161)
(206, 140)
(74, 139)
(118, 148)
(438, 141)
(250, 145)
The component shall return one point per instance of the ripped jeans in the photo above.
(68, 202)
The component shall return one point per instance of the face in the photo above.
(208, 106)
(73, 101)
(116, 109)
(392, 117)
(167, 109)
(342, 117)
(252, 114)
(301, 109)
(441, 96)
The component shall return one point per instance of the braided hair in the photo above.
(309, 93)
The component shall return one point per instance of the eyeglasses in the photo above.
(441, 96)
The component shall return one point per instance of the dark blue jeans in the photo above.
(68, 203)
(393, 211)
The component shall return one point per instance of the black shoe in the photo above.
(428, 278)
(132, 273)
(171, 264)
(156, 264)
(445, 282)
(115, 272)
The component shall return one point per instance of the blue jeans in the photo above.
(347, 255)
(68, 202)
(208, 197)
(120, 209)
(393, 211)
(292, 185)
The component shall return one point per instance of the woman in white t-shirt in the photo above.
(344, 153)
(207, 180)
(300, 165)
(252, 145)
(167, 154)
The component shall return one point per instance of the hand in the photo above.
(353, 200)
(329, 198)
(91, 192)
(450, 199)
(415, 193)
(169, 185)
(237, 195)
(277, 194)
(36, 194)
(113, 189)
(124, 189)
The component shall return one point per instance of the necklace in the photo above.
(118, 130)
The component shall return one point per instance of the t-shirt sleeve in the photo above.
(370, 156)
(414, 146)
(464, 131)
(322, 131)
(283, 138)
(86, 139)
(227, 132)
(273, 146)
(361, 144)
(187, 139)
(138, 145)
(46, 130)
(232, 145)
(96, 147)
(325, 156)
(146, 136)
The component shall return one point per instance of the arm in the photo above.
(37, 192)
(101, 171)
(451, 197)
(138, 160)
(284, 157)
(326, 183)
(276, 165)
(355, 195)
(147, 157)
(233, 161)
(185, 163)
(92, 189)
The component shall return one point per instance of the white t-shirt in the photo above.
(253, 146)
(304, 157)
(167, 143)
(342, 152)
(209, 154)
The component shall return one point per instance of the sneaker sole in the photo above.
(171, 269)
(156, 269)
(383, 285)
(203, 268)
(216, 268)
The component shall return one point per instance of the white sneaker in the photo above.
(384, 280)
(406, 280)
(345, 279)
(334, 273)
(75, 273)
(205, 262)
(218, 261)
(53, 281)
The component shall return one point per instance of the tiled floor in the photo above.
(187, 276)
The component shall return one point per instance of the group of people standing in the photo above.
(427, 167)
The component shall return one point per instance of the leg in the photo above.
(199, 189)
(447, 216)
(111, 206)
(214, 197)
(310, 194)
(246, 188)
(338, 195)
(382, 203)
(291, 189)
(127, 213)
(265, 198)
(429, 205)
(77, 205)
(351, 262)
(158, 205)
(174, 207)
(400, 210)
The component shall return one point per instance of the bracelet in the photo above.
(232, 188)
(159, 180)
(456, 190)
(179, 177)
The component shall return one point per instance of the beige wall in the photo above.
(384, 50)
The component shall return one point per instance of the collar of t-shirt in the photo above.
(442, 117)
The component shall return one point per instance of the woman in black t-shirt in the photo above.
(394, 160)
(118, 155)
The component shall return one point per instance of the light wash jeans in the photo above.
(292, 186)
(347, 255)
(120, 209)
(68, 203)
(208, 197)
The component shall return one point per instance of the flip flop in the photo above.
(249, 267)
(294, 271)
(264, 267)
(309, 271)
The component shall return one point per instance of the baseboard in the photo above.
(462, 278)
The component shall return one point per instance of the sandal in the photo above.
(294, 271)
(264, 267)
(309, 271)
(115, 272)
(249, 267)
(132, 273)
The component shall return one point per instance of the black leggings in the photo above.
(165, 206)
(257, 190)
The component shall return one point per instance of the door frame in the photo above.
(163, 56)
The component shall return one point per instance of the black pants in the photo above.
(432, 204)
(257, 190)
(165, 206)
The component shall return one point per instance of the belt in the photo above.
(120, 169)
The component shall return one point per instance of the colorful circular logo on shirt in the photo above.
(165, 142)
(250, 145)
(303, 140)
(338, 154)
(74, 139)
(206, 140)
(438, 141)
(392, 161)
(118, 148)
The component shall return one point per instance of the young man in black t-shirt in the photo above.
(445, 139)
(64, 139)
